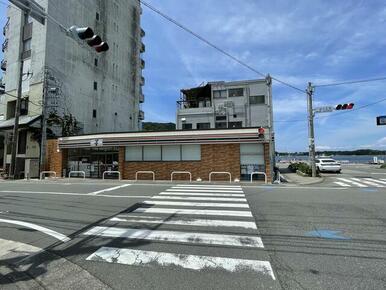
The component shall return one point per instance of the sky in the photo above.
(295, 41)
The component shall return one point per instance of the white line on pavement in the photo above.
(208, 185)
(202, 204)
(44, 230)
(200, 198)
(109, 189)
(180, 237)
(205, 190)
(352, 182)
(342, 184)
(202, 194)
(192, 262)
(188, 222)
(202, 188)
(376, 180)
(367, 182)
(194, 211)
(72, 193)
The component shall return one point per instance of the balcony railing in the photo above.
(141, 98)
(4, 65)
(143, 47)
(142, 63)
(142, 81)
(6, 26)
(5, 45)
(143, 33)
(141, 115)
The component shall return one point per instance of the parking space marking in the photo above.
(109, 189)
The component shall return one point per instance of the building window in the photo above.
(22, 142)
(235, 125)
(219, 94)
(94, 113)
(254, 100)
(221, 118)
(24, 107)
(133, 153)
(171, 153)
(236, 92)
(97, 17)
(27, 45)
(96, 62)
(202, 126)
(190, 152)
(95, 86)
(186, 126)
(221, 125)
(152, 153)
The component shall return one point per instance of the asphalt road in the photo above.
(98, 235)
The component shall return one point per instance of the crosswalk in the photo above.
(182, 217)
(360, 182)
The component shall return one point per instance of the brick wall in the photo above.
(55, 161)
(214, 157)
(267, 161)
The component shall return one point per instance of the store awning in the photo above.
(24, 121)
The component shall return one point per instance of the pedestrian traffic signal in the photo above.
(344, 106)
(87, 34)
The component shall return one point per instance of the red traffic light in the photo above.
(344, 106)
(261, 131)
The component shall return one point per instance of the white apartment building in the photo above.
(102, 91)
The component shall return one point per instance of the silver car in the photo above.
(328, 165)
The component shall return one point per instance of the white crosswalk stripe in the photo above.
(360, 182)
(181, 215)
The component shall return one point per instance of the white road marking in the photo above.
(109, 189)
(208, 185)
(205, 190)
(200, 198)
(342, 184)
(73, 194)
(376, 180)
(194, 211)
(351, 181)
(210, 188)
(202, 204)
(179, 237)
(202, 194)
(44, 230)
(188, 222)
(367, 182)
(192, 262)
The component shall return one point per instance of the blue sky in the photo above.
(296, 41)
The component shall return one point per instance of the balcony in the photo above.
(5, 45)
(141, 97)
(143, 47)
(3, 65)
(142, 81)
(142, 64)
(195, 111)
(143, 33)
(6, 26)
(141, 115)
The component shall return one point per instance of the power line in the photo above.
(351, 82)
(234, 58)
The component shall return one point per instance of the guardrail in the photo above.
(181, 172)
(43, 173)
(110, 172)
(77, 172)
(144, 172)
(215, 172)
(261, 173)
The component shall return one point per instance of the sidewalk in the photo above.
(296, 179)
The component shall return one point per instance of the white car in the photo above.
(327, 164)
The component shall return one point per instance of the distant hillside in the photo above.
(327, 153)
(151, 126)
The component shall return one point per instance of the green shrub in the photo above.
(301, 166)
(383, 166)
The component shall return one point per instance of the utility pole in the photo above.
(15, 136)
(310, 91)
(43, 140)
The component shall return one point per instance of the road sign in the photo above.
(381, 120)
(325, 109)
(96, 143)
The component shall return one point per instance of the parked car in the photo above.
(327, 165)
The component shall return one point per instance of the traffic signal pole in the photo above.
(310, 91)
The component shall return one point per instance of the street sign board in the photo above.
(325, 109)
(96, 143)
(381, 120)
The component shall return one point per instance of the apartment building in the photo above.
(101, 92)
(231, 105)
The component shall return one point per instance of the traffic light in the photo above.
(87, 34)
(344, 106)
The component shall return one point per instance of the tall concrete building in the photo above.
(103, 92)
